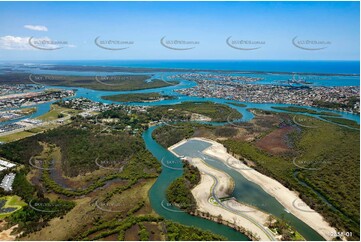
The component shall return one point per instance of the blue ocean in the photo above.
(321, 67)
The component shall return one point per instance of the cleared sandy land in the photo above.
(202, 193)
(5, 235)
(289, 199)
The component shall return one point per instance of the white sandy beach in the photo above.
(289, 199)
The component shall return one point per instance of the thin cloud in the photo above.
(14, 43)
(36, 27)
(22, 43)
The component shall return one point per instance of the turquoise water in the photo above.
(41, 109)
(96, 96)
(245, 191)
(157, 194)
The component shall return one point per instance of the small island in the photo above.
(138, 97)
(294, 109)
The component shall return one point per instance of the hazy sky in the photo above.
(281, 30)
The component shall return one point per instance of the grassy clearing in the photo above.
(57, 112)
(15, 136)
(12, 202)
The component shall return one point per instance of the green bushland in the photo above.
(178, 232)
(237, 104)
(181, 112)
(169, 135)
(28, 219)
(343, 121)
(137, 97)
(296, 109)
(80, 148)
(174, 231)
(80, 143)
(179, 191)
(306, 110)
(331, 152)
(143, 233)
(115, 82)
(22, 187)
(329, 114)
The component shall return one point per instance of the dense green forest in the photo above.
(170, 135)
(179, 192)
(178, 232)
(181, 112)
(332, 170)
(80, 147)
